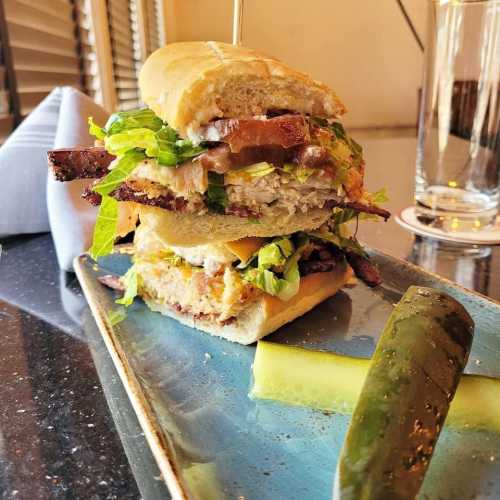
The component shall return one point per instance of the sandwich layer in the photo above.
(178, 229)
(263, 315)
(188, 84)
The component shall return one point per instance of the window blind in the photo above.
(123, 30)
(87, 50)
(43, 48)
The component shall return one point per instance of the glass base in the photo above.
(454, 209)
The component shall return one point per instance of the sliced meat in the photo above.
(317, 266)
(313, 156)
(189, 177)
(92, 197)
(245, 212)
(166, 199)
(367, 209)
(285, 131)
(364, 269)
(220, 159)
(112, 281)
(79, 163)
(128, 192)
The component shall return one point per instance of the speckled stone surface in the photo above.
(58, 438)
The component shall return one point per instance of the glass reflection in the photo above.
(469, 266)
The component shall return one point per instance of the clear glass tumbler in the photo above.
(458, 155)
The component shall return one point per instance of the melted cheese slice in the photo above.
(245, 248)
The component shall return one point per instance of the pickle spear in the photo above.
(333, 382)
(405, 398)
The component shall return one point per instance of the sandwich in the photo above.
(242, 187)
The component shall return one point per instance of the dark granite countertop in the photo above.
(67, 429)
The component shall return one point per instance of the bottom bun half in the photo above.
(267, 313)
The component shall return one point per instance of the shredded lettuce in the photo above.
(142, 129)
(217, 200)
(378, 197)
(343, 148)
(283, 288)
(95, 130)
(258, 169)
(136, 118)
(172, 150)
(275, 253)
(338, 129)
(116, 316)
(130, 281)
(122, 169)
(343, 215)
(280, 254)
(253, 171)
(105, 228)
(300, 173)
(128, 140)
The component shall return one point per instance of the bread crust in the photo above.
(188, 84)
(268, 313)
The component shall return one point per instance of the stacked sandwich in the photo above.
(241, 185)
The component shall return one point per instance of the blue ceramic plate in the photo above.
(190, 393)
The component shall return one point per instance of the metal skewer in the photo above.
(237, 21)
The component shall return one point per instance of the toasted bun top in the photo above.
(188, 84)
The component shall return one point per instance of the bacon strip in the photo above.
(367, 209)
(79, 163)
(364, 269)
(127, 192)
(285, 131)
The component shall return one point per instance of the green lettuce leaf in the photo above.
(173, 150)
(279, 253)
(130, 281)
(122, 169)
(116, 316)
(95, 130)
(217, 200)
(135, 118)
(258, 169)
(343, 215)
(338, 129)
(185, 149)
(379, 196)
(105, 228)
(299, 172)
(283, 288)
(275, 253)
(139, 138)
(142, 129)
(302, 173)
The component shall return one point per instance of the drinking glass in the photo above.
(458, 154)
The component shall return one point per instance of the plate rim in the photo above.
(148, 421)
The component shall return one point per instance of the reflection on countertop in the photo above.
(469, 266)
